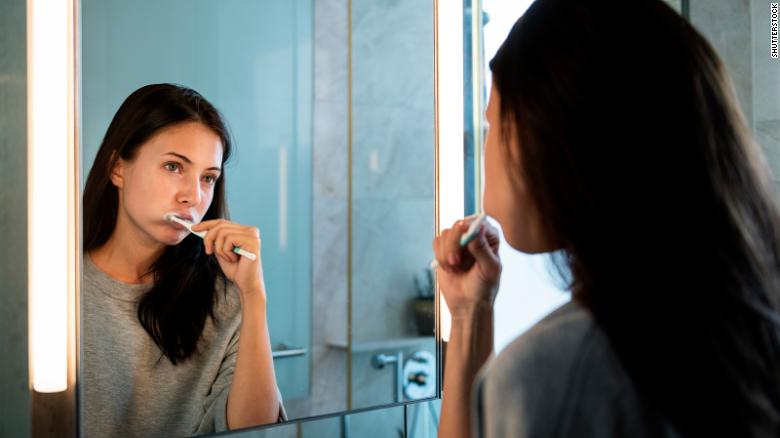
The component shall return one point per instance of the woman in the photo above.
(616, 141)
(174, 336)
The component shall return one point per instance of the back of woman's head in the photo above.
(635, 152)
(174, 311)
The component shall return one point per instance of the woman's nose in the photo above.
(189, 192)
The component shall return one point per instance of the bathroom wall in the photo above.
(392, 189)
(14, 392)
(393, 167)
(329, 388)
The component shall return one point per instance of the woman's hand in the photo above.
(221, 237)
(469, 281)
(469, 276)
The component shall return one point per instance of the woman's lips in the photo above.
(178, 226)
(175, 224)
(185, 216)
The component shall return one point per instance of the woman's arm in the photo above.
(468, 278)
(470, 345)
(253, 396)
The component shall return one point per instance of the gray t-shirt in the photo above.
(128, 389)
(561, 379)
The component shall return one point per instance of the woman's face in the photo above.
(174, 171)
(506, 199)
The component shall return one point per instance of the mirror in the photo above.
(330, 108)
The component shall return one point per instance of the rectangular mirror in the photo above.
(330, 108)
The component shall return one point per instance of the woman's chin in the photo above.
(173, 237)
(526, 243)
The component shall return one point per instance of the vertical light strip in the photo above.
(449, 107)
(51, 211)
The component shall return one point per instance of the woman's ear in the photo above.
(117, 170)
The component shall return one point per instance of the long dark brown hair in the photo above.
(175, 309)
(635, 152)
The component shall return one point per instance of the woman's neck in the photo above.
(128, 254)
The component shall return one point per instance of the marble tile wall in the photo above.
(393, 183)
(328, 391)
(393, 162)
(393, 191)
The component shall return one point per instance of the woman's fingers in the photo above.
(222, 235)
(441, 251)
(446, 247)
(245, 240)
(219, 244)
(215, 238)
(492, 237)
(485, 251)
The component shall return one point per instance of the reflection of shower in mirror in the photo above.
(379, 361)
(415, 378)
(420, 376)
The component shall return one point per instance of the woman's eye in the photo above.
(210, 179)
(173, 167)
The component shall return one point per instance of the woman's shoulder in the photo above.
(561, 376)
(551, 342)
(538, 361)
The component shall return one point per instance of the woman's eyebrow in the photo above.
(188, 161)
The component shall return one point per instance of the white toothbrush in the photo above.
(468, 236)
(171, 217)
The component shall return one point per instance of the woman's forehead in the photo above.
(193, 141)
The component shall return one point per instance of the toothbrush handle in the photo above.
(244, 253)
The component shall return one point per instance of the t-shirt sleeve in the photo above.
(523, 392)
(215, 404)
(500, 409)
(560, 379)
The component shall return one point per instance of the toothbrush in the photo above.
(470, 234)
(171, 217)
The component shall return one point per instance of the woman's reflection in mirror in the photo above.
(174, 332)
